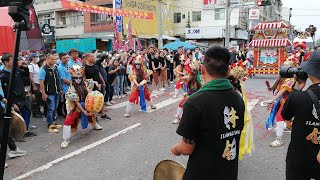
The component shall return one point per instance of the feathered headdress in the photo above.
(238, 70)
(77, 71)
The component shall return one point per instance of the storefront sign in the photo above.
(254, 14)
(211, 4)
(204, 33)
(85, 7)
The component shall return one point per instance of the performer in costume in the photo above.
(237, 76)
(75, 102)
(138, 77)
(284, 88)
(193, 85)
(181, 75)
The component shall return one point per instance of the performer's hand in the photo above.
(44, 97)
(174, 151)
(4, 100)
(15, 108)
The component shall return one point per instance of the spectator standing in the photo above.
(176, 58)
(119, 82)
(35, 83)
(233, 55)
(65, 81)
(112, 74)
(50, 89)
(74, 58)
(92, 71)
(197, 55)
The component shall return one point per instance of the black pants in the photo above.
(293, 173)
(11, 144)
(170, 72)
(109, 92)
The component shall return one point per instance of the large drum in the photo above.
(169, 170)
(94, 102)
(18, 126)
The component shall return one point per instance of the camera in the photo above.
(288, 72)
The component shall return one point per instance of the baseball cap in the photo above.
(32, 55)
(312, 66)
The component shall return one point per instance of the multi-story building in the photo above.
(76, 29)
(205, 21)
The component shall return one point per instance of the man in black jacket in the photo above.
(18, 96)
(303, 157)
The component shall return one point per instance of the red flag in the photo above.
(131, 45)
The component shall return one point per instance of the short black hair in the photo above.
(216, 61)
(6, 57)
(62, 54)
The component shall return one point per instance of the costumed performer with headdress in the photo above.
(138, 77)
(283, 89)
(181, 76)
(193, 84)
(237, 76)
(75, 102)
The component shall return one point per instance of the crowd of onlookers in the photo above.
(42, 80)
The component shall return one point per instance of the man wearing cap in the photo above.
(74, 58)
(303, 157)
(35, 83)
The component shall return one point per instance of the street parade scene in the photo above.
(160, 89)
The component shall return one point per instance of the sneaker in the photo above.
(57, 125)
(17, 153)
(113, 102)
(124, 93)
(65, 144)
(97, 127)
(175, 97)
(126, 115)
(123, 96)
(30, 134)
(6, 165)
(105, 117)
(109, 104)
(44, 119)
(171, 82)
(52, 129)
(176, 121)
(119, 97)
(32, 127)
(153, 107)
(278, 142)
(128, 88)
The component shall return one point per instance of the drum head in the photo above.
(17, 127)
(168, 170)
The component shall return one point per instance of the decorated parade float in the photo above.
(269, 45)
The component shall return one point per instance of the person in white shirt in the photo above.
(198, 55)
(35, 83)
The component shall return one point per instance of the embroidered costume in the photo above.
(181, 72)
(138, 77)
(237, 77)
(75, 104)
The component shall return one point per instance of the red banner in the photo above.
(79, 6)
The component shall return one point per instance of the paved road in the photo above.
(129, 149)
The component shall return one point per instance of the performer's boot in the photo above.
(280, 128)
(176, 93)
(178, 115)
(66, 136)
(129, 107)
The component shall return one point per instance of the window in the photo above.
(177, 17)
(101, 19)
(183, 16)
(219, 14)
(196, 16)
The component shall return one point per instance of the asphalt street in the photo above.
(130, 148)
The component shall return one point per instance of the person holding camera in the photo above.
(303, 157)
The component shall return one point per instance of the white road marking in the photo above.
(163, 104)
(77, 152)
(252, 103)
(123, 104)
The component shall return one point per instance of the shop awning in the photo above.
(271, 25)
(270, 43)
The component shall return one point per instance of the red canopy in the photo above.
(270, 43)
(271, 25)
(30, 40)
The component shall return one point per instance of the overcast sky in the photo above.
(300, 7)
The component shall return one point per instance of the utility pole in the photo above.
(227, 31)
(160, 38)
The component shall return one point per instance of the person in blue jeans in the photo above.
(119, 82)
(50, 89)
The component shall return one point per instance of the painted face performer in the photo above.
(284, 88)
(181, 76)
(75, 97)
(193, 85)
(139, 77)
(237, 76)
